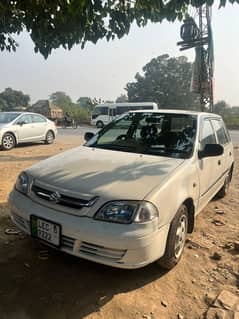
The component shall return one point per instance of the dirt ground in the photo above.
(61, 286)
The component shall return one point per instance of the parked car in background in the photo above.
(106, 112)
(24, 127)
(130, 195)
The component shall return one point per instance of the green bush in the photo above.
(232, 121)
(78, 113)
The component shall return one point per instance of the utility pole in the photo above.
(196, 32)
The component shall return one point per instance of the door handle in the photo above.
(219, 162)
(230, 153)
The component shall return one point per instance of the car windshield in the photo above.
(8, 117)
(162, 134)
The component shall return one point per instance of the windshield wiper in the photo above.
(114, 147)
(162, 151)
(166, 149)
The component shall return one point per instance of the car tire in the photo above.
(176, 239)
(8, 141)
(50, 136)
(224, 190)
(99, 124)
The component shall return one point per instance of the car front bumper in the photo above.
(1, 136)
(111, 244)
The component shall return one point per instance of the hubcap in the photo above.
(49, 137)
(8, 142)
(180, 236)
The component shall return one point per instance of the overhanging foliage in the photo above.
(52, 23)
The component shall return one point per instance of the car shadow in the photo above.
(68, 174)
(40, 282)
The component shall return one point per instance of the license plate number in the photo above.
(46, 230)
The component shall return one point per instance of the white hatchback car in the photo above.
(24, 127)
(129, 196)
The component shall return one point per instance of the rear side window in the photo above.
(38, 119)
(207, 134)
(220, 132)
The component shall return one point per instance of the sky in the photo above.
(104, 69)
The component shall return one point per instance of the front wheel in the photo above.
(8, 141)
(176, 239)
(49, 137)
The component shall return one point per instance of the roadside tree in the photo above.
(121, 99)
(12, 99)
(52, 24)
(60, 99)
(165, 81)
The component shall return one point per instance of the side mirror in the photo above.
(88, 136)
(211, 150)
(21, 123)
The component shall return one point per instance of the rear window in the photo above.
(178, 123)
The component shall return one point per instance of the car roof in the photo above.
(11, 112)
(126, 104)
(176, 111)
(21, 113)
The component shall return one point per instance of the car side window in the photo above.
(220, 132)
(26, 119)
(38, 119)
(207, 134)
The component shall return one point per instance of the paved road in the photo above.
(80, 131)
(83, 129)
(70, 135)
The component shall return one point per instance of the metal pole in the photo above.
(201, 49)
(210, 66)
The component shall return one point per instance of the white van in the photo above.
(105, 113)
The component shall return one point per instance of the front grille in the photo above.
(61, 199)
(67, 242)
(101, 251)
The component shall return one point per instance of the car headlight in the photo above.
(125, 212)
(22, 183)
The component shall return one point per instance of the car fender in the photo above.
(181, 185)
(13, 132)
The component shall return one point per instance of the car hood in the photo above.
(104, 173)
(3, 125)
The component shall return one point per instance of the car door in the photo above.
(209, 168)
(223, 139)
(40, 126)
(24, 128)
